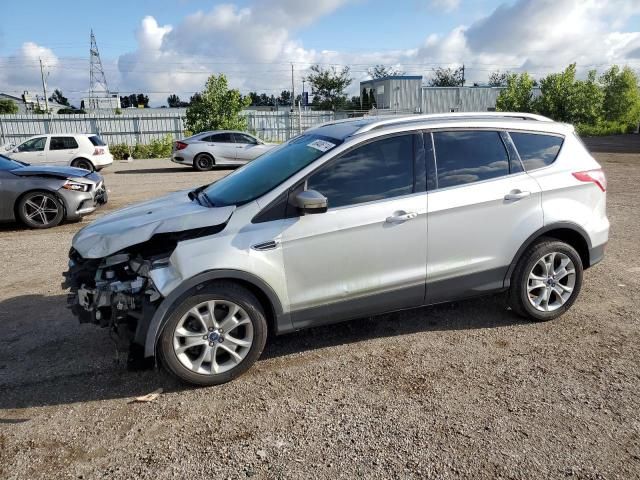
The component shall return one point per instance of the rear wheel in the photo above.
(40, 210)
(83, 163)
(214, 335)
(546, 281)
(203, 162)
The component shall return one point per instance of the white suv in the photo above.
(81, 150)
(346, 220)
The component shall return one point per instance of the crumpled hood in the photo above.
(138, 223)
(52, 170)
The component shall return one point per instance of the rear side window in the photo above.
(220, 138)
(469, 156)
(62, 143)
(242, 138)
(378, 170)
(536, 151)
(97, 141)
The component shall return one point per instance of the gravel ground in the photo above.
(460, 390)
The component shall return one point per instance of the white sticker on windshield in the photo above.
(321, 145)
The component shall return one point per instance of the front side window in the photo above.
(33, 145)
(62, 143)
(536, 150)
(378, 170)
(464, 157)
(269, 170)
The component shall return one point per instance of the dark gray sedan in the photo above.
(41, 196)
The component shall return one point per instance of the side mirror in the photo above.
(310, 201)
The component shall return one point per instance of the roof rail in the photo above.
(384, 121)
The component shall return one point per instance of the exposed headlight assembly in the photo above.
(76, 186)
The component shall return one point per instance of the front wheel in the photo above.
(40, 210)
(214, 335)
(546, 280)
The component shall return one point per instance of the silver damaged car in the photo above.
(347, 220)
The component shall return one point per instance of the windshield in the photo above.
(269, 170)
(8, 164)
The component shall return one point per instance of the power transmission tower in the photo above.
(97, 80)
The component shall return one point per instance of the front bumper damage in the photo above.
(115, 292)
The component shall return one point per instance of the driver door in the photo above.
(31, 151)
(367, 253)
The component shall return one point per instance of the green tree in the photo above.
(381, 71)
(621, 95)
(285, 98)
(217, 108)
(447, 77)
(587, 101)
(58, 97)
(498, 79)
(518, 94)
(142, 99)
(8, 107)
(174, 101)
(328, 86)
(557, 90)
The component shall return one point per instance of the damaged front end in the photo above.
(115, 292)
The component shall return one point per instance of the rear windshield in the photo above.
(269, 170)
(97, 141)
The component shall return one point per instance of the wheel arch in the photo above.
(567, 232)
(277, 321)
(83, 158)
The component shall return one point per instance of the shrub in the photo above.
(160, 148)
(71, 111)
(8, 107)
(120, 151)
(604, 128)
(140, 151)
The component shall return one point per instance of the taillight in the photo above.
(181, 145)
(98, 151)
(594, 176)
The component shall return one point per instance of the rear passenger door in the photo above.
(61, 150)
(222, 147)
(482, 206)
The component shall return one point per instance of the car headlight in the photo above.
(76, 186)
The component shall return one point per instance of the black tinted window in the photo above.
(466, 157)
(97, 141)
(380, 169)
(220, 138)
(242, 138)
(536, 151)
(62, 143)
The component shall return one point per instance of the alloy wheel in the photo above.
(41, 209)
(213, 337)
(551, 282)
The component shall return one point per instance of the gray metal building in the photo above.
(407, 94)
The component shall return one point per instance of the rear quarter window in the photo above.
(97, 141)
(536, 150)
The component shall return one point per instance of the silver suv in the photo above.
(349, 219)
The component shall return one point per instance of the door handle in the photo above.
(401, 216)
(516, 195)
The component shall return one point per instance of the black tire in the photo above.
(40, 209)
(220, 291)
(83, 163)
(519, 298)
(203, 162)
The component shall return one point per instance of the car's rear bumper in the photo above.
(101, 161)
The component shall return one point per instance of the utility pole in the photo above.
(463, 74)
(293, 93)
(44, 87)
(302, 96)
